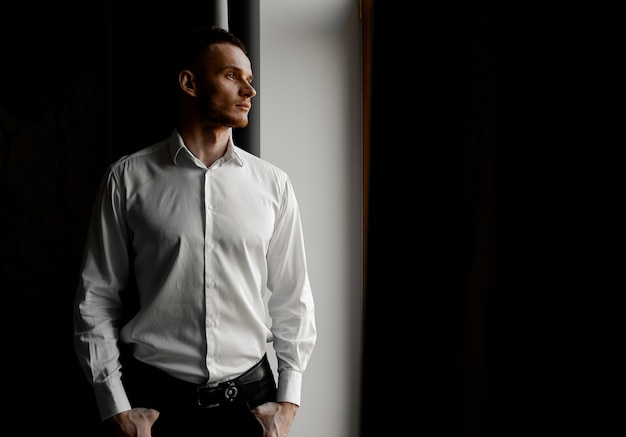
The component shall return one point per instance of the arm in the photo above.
(98, 305)
(291, 305)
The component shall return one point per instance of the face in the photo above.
(224, 89)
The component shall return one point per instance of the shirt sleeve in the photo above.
(290, 306)
(98, 305)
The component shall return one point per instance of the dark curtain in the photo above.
(495, 283)
(80, 86)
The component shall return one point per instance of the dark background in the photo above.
(495, 280)
(495, 295)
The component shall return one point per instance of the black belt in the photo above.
(149, 386)
(254, 387)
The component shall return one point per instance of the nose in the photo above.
(248, 91)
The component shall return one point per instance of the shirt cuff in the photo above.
(289, 387)
(111, 398)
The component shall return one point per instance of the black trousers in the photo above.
(178, 401)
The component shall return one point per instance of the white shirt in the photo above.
(206, 245)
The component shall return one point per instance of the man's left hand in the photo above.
(275, 418)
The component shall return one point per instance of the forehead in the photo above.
(225, 55)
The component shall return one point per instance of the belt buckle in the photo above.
(229, 389)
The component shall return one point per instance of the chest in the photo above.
(234, 209)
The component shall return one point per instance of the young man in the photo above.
(205, 229)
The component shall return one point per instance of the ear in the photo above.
(187, 83)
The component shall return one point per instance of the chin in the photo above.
(241, 124)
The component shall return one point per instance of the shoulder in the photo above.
(152, 154)
(258, 165)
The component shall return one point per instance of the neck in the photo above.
(207, 144)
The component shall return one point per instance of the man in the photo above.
(204, 230)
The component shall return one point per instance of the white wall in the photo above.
(310, 100)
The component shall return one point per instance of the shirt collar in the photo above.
(177, 146)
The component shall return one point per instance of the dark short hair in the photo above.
(187, 46)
